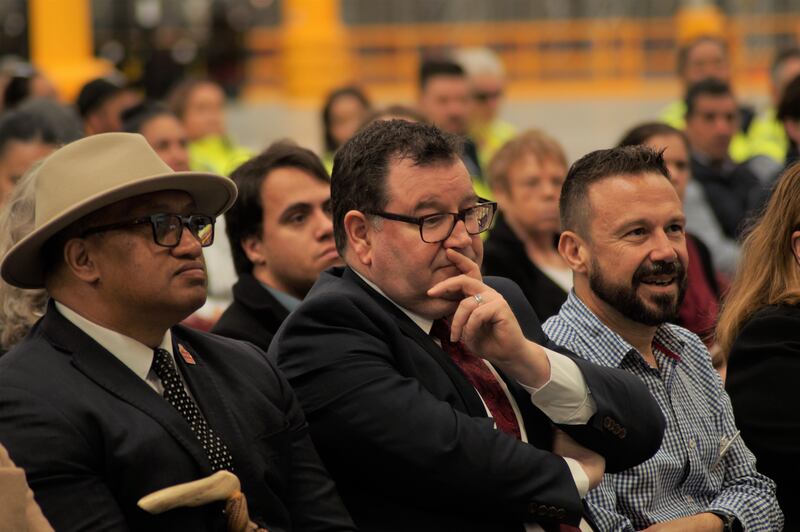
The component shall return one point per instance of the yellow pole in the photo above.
(315, 57)
(61, 44)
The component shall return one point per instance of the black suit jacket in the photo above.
(254, 316)
(504, 255)
(94, 438)
(407, 437)
(762, 383)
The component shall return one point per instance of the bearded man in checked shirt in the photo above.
(623, 237)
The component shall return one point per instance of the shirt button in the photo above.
(689, 499)
(691, 444)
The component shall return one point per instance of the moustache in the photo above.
(660, 267)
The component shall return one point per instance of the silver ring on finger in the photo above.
(478, 299)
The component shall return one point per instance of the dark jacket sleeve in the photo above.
(762, 377)
(628, 426)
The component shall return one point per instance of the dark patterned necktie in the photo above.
(217, 452)
(481, 377)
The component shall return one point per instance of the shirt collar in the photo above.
(615, 347)
(134, 354)
(288, 301)
(423, 323)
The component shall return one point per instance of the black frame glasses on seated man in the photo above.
(167, 228)
(437, 227)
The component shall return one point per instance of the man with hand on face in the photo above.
(282, 239)
(623, 236)
(419, 432)
(107, 399)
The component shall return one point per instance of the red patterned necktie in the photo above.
(481, 377)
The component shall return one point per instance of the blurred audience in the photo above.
(19, 308)
(707, 57)
(698, 311)
(444, 100)
(734, 190)
(526, 175)
(24, 139)
(26, 83)
(789, 114)
(766, 135)
(200, 105)
(487, 80)
(759, 329)
(283, 239)
(100, 104)
(162, 130)
(343, 113)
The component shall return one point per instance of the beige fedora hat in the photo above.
(94, 172)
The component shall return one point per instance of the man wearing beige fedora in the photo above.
(107, 399)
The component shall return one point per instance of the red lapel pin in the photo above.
(187, 356)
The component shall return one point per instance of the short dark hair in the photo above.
(246, 216)
(362, 164)
(710, 87)
(640, 133)
(596, 166)
(686, 49)
(23, 126)
(134, 118)
(354, 92)
(789, 106)
(431, 68)
(94, 94)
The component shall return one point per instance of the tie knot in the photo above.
(441, 330)
(162, 363)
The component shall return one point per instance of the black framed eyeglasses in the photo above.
(167, 228)
(438, 227)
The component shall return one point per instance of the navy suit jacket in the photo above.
(406, 436)
(94, 438)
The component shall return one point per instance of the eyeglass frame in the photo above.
(460, 215)
(151, 219)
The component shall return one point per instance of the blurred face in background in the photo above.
(204, 112)
(347, 113)
(487, 92)
(786, 72)
(676, 156)
(712, 124)
(706, 59)
(529, 200)
(167, 137)
(16, 159)
(445, 101)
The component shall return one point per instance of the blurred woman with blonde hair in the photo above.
(759, 328)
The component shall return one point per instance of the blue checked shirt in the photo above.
(687, 476)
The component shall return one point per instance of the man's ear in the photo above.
(795, 241)
(79, 260)
(574, 251)
(253, 248)
(359, 236)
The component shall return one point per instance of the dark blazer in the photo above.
(504, 256)
(254, 316)
(407, 437)
(763, 368)
(93, 437)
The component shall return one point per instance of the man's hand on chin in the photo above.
(705, 522)
(487, 325)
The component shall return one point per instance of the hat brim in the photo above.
(23, 265)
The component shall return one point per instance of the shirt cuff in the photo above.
(565, 397)
(579, 476)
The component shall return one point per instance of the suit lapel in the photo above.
(469, 396)
(108, 372)
(215, 406)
